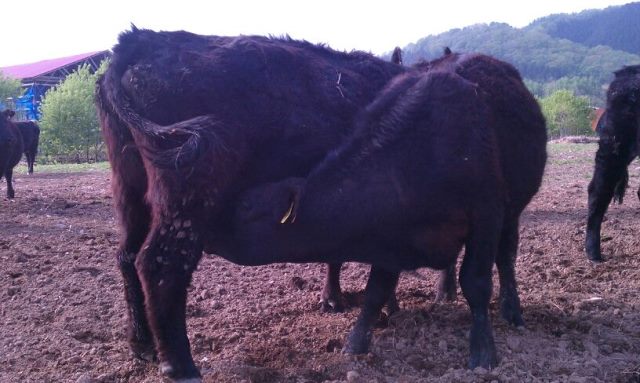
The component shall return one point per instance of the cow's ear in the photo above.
(295, 191)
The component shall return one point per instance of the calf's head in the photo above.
(266, 214)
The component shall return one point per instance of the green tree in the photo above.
(9, 87)
(69, 122)
(566, 114)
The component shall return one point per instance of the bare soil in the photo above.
(62, 313)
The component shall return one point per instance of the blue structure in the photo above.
(27, 106)
(37, 78)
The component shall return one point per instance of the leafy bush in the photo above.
(9, 87)
(69, 123)
(566, 114)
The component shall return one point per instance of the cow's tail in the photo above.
(621, 187)
(174, 146)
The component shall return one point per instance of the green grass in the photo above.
(571, 154)
(63, 168)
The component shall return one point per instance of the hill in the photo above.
(546, 62)
(616, 27)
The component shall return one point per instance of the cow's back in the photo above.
(519, 124)
(293, 99)
(267, 82)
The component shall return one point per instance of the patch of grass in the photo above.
(571, 154)
(63, 168)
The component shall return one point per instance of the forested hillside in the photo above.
(546, 62)
(617, 27)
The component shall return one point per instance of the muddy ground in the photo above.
(62, 314)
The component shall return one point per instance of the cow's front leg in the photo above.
(8, 175)
(380, 286)
(609, 170)
(168, 259)
(447, 284)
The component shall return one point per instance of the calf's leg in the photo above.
(380, 286)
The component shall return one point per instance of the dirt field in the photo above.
(62, 314)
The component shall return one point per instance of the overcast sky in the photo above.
(36, 30)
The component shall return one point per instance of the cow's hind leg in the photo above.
(30, 160)
(136, 223)
(505, 261)
(332, 300)
(380, 286)
(165, 267)
(476, 284)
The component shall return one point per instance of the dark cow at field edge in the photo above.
(617, 147)
(30, 137)
(11, 148)
(211, 116)
(428, 169)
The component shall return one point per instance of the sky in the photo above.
(45, 29)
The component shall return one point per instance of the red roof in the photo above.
(43, 67)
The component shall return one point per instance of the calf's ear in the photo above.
(294, 191)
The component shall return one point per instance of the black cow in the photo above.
(617, 147)
(427, 171)
(507, 95)
(11, 147)
(211, 116)
(31, 136)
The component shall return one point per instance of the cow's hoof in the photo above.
(448, 296)
(193, 376)
(144, 351)
(357, 343)
(596, 259)
(512, 315)
(486, 359)
(331, 306)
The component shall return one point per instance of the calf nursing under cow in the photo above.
(191, 122)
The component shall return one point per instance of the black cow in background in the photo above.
(30, 136)
(617, 147)
(11, 148)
